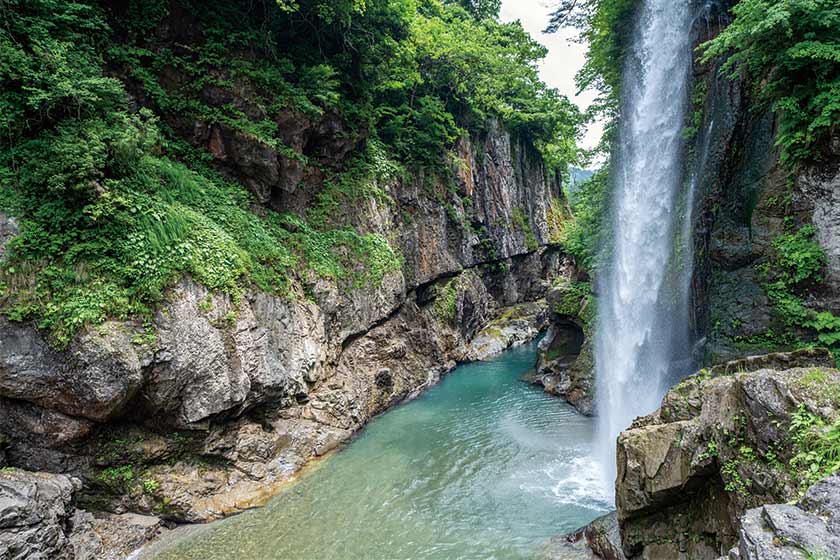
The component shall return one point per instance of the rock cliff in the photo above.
(747, 202)
(207, 407)
(209, 403)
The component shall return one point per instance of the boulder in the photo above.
(512, 325)
(809, 529)
(38, 520)
(719, 446)
(600, 540)
(94, 378)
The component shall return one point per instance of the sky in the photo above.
(565, 57)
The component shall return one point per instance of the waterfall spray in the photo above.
(641, 318)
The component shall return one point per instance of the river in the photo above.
(482, 466)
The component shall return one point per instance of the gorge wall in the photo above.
(208, 406)
(265, 383)
(695, 477)
(749, 204)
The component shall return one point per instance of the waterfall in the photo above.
(643, 302)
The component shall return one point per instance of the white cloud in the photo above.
(565, 56)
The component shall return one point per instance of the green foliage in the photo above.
(114, 208)
(416, 73)
(583, 235)
(108, 218)
(798, 256)
(446, 300)
(150, 485)
(454, 72)
(733, 481)
(789, 49)
(480, 9)
(695, 117)
(796, 263)
(710, 452)
(573, 298)
(116, 479)
(606, 27)
(818, 447)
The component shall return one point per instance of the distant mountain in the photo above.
(577, 177)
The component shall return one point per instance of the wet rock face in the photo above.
(745, 199)
(719, 446)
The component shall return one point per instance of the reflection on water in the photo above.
(482, 467)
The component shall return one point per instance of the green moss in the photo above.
(556, 219)
(573, 297)
(821, 386)
(445, 305)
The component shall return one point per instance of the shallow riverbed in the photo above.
(482, 466)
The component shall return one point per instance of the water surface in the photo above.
(482, 466)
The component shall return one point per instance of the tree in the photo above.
(481, 9)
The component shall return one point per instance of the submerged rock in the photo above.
(600, 540)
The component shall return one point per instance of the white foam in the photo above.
(573, 480)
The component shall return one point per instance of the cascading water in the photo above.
(642, 322)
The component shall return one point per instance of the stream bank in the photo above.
(483, 465)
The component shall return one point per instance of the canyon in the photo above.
(215, 401)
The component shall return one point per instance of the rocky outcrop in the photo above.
(600, 540)
(37, 516)
(720, 445)
(513, 325)
(207, 407)
(565, 363)
(8, 229)
(39, 521)
(259, 387)
(809, 529)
